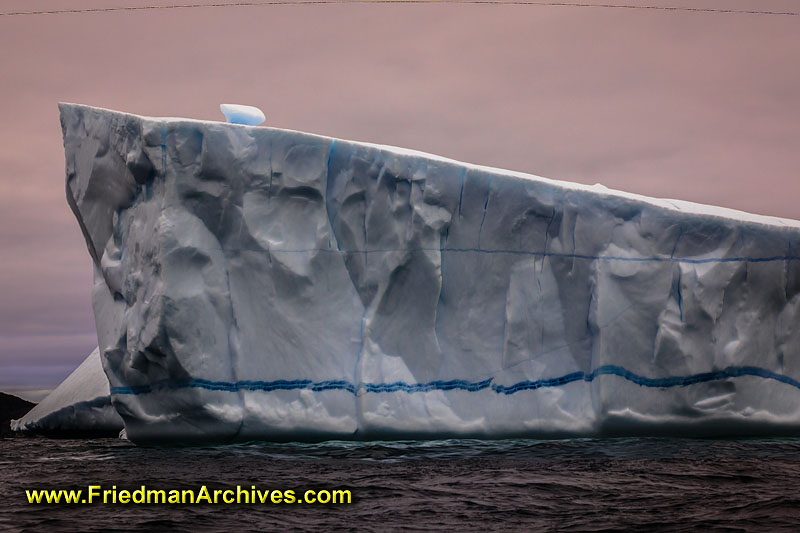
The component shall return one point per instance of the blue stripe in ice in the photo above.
(459, 384)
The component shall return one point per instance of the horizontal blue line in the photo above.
(650, 259)
(459, 384)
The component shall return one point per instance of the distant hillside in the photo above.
(11, 407)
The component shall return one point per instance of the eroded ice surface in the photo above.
(258, 283)
(81, 404)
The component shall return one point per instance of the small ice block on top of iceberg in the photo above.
(242, 114)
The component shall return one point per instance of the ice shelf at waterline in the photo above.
(259, 283)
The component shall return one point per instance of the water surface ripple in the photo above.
(462, 485)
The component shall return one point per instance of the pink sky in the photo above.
(702, 107)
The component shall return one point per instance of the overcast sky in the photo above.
(702, 107)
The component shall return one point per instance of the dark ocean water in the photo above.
(459, 485)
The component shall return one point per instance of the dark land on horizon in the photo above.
(11, 407)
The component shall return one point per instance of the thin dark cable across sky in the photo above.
(339, 2)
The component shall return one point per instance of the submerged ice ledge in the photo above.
(271, 284)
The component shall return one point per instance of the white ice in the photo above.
(242, 114)
(259, 283)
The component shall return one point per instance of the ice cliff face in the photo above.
(257, 283)
(81, 405)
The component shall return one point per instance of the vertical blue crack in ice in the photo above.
(679, 295)
(546, 235)
(461, 193)
(485, 206)
(786, 273)
(163, 150)
(269, 191)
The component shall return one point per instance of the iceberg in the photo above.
(261, 283)
(80, 405)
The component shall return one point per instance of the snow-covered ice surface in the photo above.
(81, 404)
(259, 283)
